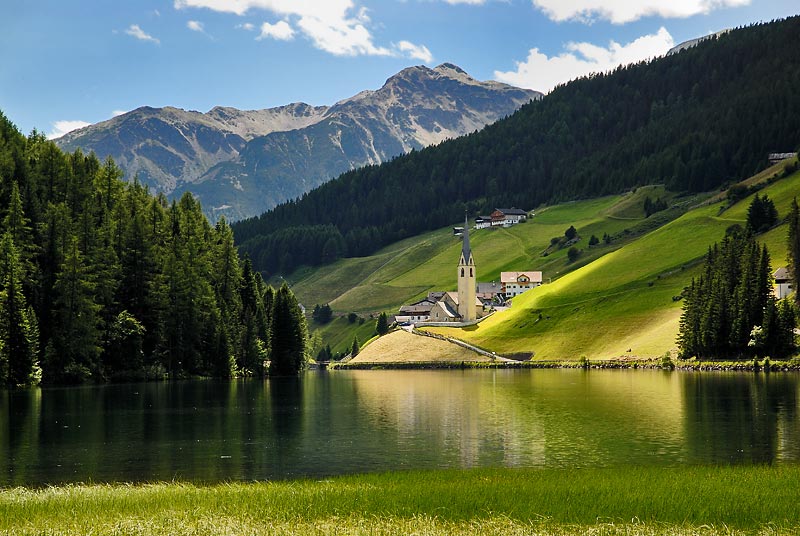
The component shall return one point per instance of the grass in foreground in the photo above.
(625, 500)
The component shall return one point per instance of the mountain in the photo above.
(692, 121)
(241, 163)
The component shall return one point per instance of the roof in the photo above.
(782, 274)
(486, 288)
(513, 277)
(447, 310)
(454, 296)
(466, 252)
(511, 211)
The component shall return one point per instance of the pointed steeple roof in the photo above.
(466, 252)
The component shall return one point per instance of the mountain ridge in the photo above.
(242, 162)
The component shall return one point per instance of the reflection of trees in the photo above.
(741, 418)
(286, 397)
(19, 433)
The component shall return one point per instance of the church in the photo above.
(463, 305)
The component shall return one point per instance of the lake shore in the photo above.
(676, 500)
(589, 364)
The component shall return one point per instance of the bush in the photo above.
(573, 253)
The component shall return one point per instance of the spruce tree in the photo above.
(793, 255)
(288, 335)
(74, 350)
(18, 334)
(382, 324)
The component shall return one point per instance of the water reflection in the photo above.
(741, 418)
(342, 422)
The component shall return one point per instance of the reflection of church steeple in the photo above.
(466, 278)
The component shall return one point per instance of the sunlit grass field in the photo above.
(623, 303)
(618, 500)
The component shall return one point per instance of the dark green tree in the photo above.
(18, 333)
(74, 350)
(793, 255)
(355, 347)
(288, 335)
(382, 324)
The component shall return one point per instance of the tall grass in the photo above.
(624, 500)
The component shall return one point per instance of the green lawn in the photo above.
(617, 500)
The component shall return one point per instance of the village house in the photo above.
(515, 283)
(783, 283)
(508, 216)
(482, 222)
(491, 293)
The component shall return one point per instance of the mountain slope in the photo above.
(241, 163)
(692, 121)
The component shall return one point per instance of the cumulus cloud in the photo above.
(62, 127)
(280, 31)
(417, 52)
(338, 27)
(622, 11)
(195, 26)
(135, 31)
(543, 73)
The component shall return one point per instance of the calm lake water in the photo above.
(338, 422)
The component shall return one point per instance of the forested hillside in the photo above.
(100, 280)
(692, 121)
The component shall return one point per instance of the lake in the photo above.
(337, 422)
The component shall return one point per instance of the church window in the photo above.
(462, 272)
(470, 272)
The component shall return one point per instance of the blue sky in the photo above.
(69, 63)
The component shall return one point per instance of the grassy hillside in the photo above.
(623, 303)
(411, 268)
(615, 300)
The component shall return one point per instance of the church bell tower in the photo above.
(466, 279)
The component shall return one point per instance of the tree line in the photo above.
(99, 280)
(730, 309)
(692, 121)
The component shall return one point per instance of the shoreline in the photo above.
(610, 364)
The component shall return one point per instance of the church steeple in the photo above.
(466, 279)
(466, 252)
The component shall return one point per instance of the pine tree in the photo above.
(382, 324)
(288, 335)
(18, 333)
(355, 348)
(74, 350)
(793, 255)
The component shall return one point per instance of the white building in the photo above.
(783, 283)
(515, 283)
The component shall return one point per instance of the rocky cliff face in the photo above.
(241, 163)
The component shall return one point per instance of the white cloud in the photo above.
(135, 31)
(622, 11)
(117, 113)
(62, 127)
(417, 52)
(280, 31)
(195, 26)
(543, 73)
(334, 26)
(246, 26)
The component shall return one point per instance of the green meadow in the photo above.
(624, 303)
(615, 500)
(616, 300)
